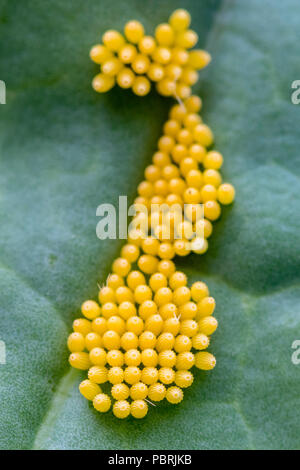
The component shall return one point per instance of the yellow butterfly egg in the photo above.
(174, 395)
(184, 378)
(115, 375)
(206, 307)
(226, 193)
(98, 374)
(83, 326)
(166, 251)
(93, 340)
(166, 375)
(179, 56)
(157, 392)
(147, 45)
(211, 176)
(199, 290)
(197, 152)
(166, 267)
(127, 310)
(125, 79)
(177, 185)
(102, 83)
(186, 39)
(76, 342)
(127, 53)
(188, 164)
(142, 293)
(149, 375)
(171, 325)
(147, 340)
(156, 72)
(135, 236)
(138, 391)
(205, 360)
(165, 341)
(113, 40)
(149, 357)
(166, 87)
(102, 402)
(203, 227)
(134, 31)
(192, 196)
(185, 360)
(208, 193)
(115, 358)
(154, 324)
(191, 120)
(114, 281)
(181, 295)
(106, 294)
(213, 160)
(132, 375)
(171, 127)
(116, 324)
(89, 389)
(132, 357)
(121, 266)
(135, 279)
(124, 294)
(212, 210)
(147, 309)
(208, 325)
(112, 67)
(129, 340)
(111, 340)
(98, 356)
(198, 59)
(90, 309)
(141, 86)
(163, 296)
(182, 247)
(100, 54)
(180, 19)
(161, 159)
(189, 327)
(135, 324)
(167, 311)
(194, 179)
(139, 409)
(109, 309)
(178, 279)
(167, 358)
(152, 173)
(182, 343)
(200, 341)
(150, 246)
(120, 391)
(121, 409)
(80, 360)
(140, 64)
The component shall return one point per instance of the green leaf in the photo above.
(65, 150)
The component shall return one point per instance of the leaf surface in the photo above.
(64, 150)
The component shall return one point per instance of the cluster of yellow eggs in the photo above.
(149, 328)
(140, 336)
(134, 60)
(183, 190)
